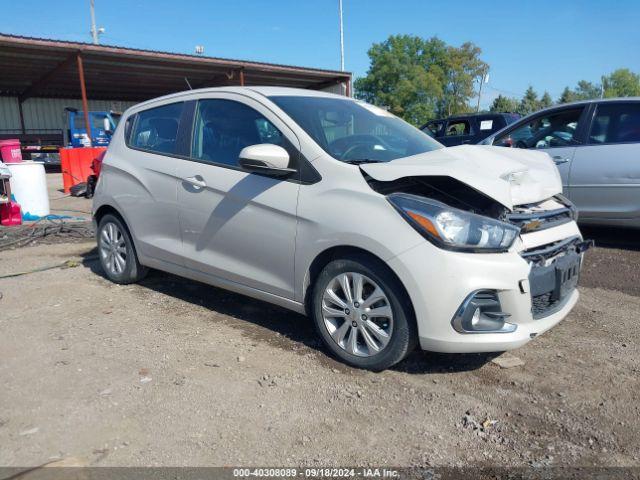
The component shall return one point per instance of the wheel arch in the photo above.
(110, 209)
(344, 251)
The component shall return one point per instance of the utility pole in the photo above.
(94, 30)
(341, 38)
(484, 78)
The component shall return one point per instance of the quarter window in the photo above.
(545, 131)
(156, 129)
(616, 123)
(224, 127)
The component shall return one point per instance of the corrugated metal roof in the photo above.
(46, 68)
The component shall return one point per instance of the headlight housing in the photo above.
(454, 229)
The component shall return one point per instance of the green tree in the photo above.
(621, 83)
(504, 104)
(420, 79)
(567, 96)
(545, 101)
(529, 102)
(586, 90)
(463, 67)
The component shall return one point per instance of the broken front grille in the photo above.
(547, 214)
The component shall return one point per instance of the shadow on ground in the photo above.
(260, 320)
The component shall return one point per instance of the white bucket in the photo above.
(29, 187)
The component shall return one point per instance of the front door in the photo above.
(605, 178)
(555, 132)
(237, 226)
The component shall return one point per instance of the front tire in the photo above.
(117, 254)
(363, 314)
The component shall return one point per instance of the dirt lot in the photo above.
(171, 372)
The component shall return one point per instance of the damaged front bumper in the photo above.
(510, 311)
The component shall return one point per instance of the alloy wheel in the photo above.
(357, 314)
(113, 249)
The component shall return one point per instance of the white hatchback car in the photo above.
(335, 208)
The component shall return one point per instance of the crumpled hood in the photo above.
(511, 176)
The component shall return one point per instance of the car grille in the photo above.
(543, 305)
(540, 220)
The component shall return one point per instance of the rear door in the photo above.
(605, 177)
(236, 226)
(143, 179)
(556, 132)
(457, 132)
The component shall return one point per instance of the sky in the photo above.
(548, 44)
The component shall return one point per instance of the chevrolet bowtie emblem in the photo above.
(531, 226)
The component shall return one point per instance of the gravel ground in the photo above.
(172, 372)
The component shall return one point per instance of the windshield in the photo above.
(97, 121)
(354, 131)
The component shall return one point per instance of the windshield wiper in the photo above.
(360, 161)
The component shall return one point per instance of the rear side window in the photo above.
(616, 123)
(156, 129)
(457, 128)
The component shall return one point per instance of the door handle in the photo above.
(196, 181)
(559, 160)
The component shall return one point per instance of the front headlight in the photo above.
(454, 229)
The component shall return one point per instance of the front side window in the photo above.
(224, 127)
(616, 123)
(545, 131)
(156, 129)
(433, 128)
(354, 131)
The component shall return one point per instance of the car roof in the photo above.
(588, 102)
(473, 115)
(254, 92)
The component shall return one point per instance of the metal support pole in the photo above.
(341, 38)
(21, 117)
(85, 103)
(241, 76)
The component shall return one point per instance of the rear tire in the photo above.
(372, 326)
(117, 253)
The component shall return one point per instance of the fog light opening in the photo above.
(481, 312)
(476, 317)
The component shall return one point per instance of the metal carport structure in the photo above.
(46, 68)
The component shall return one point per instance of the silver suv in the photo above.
(596, 145)
(336, 208)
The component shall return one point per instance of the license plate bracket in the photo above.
(567, 270)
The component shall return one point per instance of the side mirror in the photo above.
(106, 124)
(265, 158)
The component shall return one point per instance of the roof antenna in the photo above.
(188, 84)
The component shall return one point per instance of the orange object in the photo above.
(76, 164)
(424, 223)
